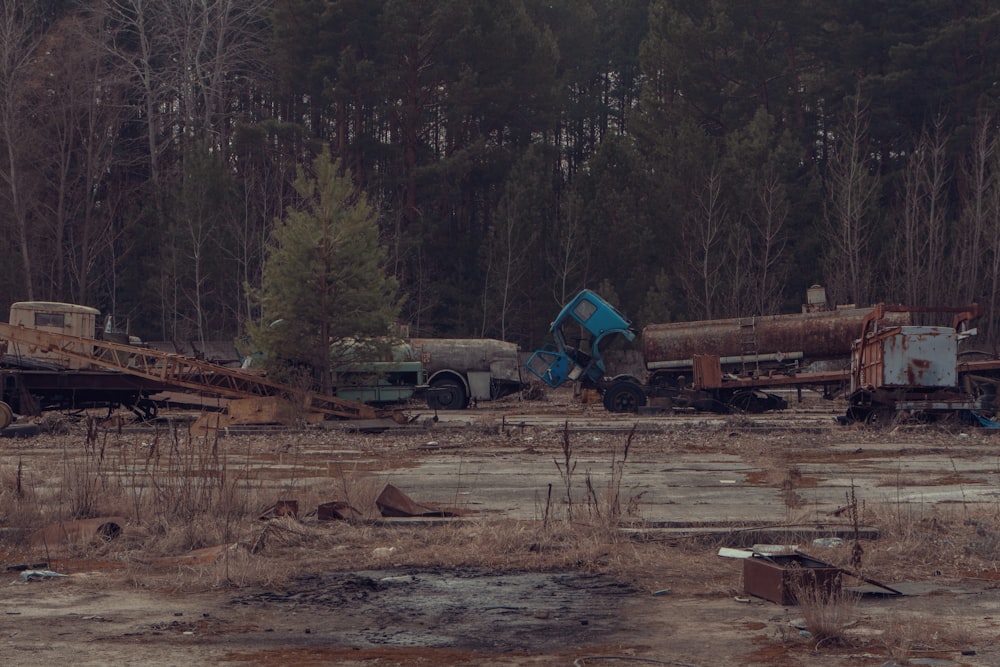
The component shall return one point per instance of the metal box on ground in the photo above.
(777, 578)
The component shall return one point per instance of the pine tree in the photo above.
(324, 278)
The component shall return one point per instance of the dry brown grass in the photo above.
(828, 611)
(180, 493)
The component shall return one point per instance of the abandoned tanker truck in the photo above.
(449, 373)
(713, 365)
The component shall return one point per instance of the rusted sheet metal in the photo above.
(818, 336)
(281, 508)
(778, 578)
(909, 357)
(68, 532)
(394, 503)
(337, 510)
(707, 371)
(202, 556)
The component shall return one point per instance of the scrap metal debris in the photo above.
(66, 532)
(337, 510)
(394, 503)
(282, 508)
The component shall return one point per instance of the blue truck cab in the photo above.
(579, 331)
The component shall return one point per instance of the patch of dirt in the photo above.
(480, 612)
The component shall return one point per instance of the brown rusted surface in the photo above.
(818, 336)
(778, 578)
(197, 557)
(337, 510)
(282, 508)
(394, 503)
(84, 530)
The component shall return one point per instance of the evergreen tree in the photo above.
(324, 278)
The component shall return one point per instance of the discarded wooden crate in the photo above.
(778, 578)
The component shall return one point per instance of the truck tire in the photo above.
(447, 394)
(624, 396)
(6, 415)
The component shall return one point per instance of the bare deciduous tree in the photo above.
(971, 245)
(18, 40)
(850, 213)
(764, 245)
(920, 262)
(702, 237)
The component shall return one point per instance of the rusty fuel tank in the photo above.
(817, 336)
(468, 354)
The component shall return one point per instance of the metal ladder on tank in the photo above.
(748, 346)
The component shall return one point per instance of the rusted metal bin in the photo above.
(808, 336)
(778, 578)
(910, 357)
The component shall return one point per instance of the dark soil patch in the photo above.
(466, 610)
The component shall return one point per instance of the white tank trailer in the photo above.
(461, 371)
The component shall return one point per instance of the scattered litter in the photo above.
(828, 542)
(727, 481)
(382, 552)
(401, 579)
(743, 600)
(39, 575)
(662, 591)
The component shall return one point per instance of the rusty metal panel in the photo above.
(337, 510)
(817, 335)
(776, 578)
(707, 371)
(911, 357)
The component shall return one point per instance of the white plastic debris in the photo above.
(39, 575)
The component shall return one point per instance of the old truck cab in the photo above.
(581, 327)
(67, 319)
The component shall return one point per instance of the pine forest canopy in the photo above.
(688, 159)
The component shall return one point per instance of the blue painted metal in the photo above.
(561, 361)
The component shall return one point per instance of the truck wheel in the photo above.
(881, 417)
(447, 395)
(626, 396)
(6, 415)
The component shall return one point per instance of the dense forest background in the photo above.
(688, 159)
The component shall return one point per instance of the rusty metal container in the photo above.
(910, 357)
(812, 336)
(468, 355)
(778, 578)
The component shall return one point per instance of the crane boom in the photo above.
(175, 370)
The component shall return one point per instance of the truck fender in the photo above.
(624, 377)
(442, 378)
